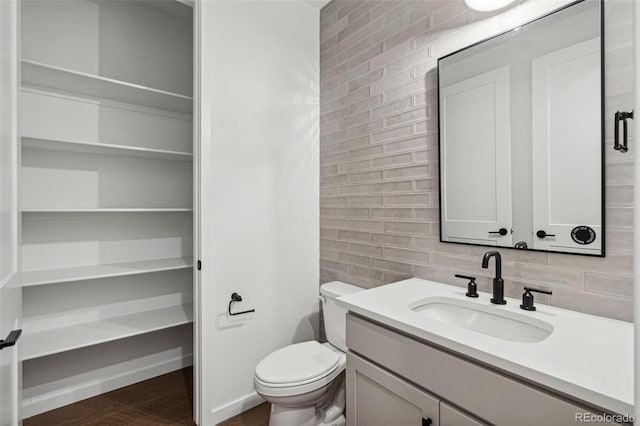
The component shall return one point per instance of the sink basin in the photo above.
(482, 319)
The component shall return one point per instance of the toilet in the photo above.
(305, 382)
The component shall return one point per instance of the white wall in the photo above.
(259, 191)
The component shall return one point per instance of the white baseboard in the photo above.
(67, 396)
(235, 407)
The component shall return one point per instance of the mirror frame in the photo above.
(602, 133)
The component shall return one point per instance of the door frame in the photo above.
(636, 217)
(200, 101)
(11, 281)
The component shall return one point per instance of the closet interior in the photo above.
(107, 195)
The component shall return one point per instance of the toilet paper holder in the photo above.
(235, 297)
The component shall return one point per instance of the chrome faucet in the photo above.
(498, 282)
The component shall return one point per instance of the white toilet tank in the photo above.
(335, 317)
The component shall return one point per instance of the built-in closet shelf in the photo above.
(63, 339)
(109, 210)
(104, 148)
(48, 76)
(81, 273)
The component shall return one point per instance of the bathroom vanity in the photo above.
(421, 353)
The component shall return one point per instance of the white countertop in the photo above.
(586, 356)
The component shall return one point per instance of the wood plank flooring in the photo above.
(163, 400)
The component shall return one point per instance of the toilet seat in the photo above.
(298, 369)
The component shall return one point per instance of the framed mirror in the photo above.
(521, 136)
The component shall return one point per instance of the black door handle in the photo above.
(501, 231)
(542, 234)
(427, 421)
(11, 339)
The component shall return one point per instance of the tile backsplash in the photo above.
(379, 153)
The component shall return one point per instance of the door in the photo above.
(10, 290)
(566, 133)
(475, 151)
(378, 398)
(258, 152)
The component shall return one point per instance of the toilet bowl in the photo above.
(304, 382)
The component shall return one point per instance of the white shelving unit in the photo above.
(104, 148)
(92, 272)
(63, 339)
(108, 210)
(66, 80)
(107, 183)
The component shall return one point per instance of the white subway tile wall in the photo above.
(378, 156)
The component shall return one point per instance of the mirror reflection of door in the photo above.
(566, 157)
(475, 159)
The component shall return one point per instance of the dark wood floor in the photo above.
(163, 400)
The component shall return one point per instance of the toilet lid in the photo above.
(297, 363)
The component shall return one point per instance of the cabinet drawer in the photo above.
(377, 398)
(490, 395)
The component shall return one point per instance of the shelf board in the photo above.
(181, 9)
(108, 210)
(48, 76)
(81, 273)
(49, 342)
(104, 148)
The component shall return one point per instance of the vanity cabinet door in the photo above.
(450, 416)
(378, 398)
